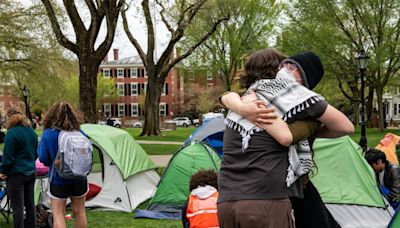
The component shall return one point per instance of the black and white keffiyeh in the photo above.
(288, 98)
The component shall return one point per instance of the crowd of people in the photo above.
(267, 154)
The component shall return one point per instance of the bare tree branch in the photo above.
(150, 32)
(56, 28)
(191, 49)
(79, 27)
(132, 39)
(163, 17)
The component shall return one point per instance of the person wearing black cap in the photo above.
(299, 67)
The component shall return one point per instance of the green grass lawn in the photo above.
(178, 135)
(373, 135)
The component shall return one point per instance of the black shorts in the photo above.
(64, 191)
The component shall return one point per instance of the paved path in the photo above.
(159, 142)
(161, 160)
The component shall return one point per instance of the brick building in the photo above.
(8, 100)
(131, 82)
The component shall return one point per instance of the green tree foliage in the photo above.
(28, 54)
(106, 90)
(337, 30)
(251, 24)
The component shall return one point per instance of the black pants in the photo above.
(311, 212)
(21, 192)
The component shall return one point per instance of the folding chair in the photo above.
(4, 203)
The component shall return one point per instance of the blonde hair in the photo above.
(16, 117)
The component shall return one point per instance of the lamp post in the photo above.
(25, 93)
(362, 61)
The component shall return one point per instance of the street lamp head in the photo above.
(25, 91)
(362, 60)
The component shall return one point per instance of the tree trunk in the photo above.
(369, 104)
(87, 89)
(379, 93)
(152, 109)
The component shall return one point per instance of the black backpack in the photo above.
(44, 219)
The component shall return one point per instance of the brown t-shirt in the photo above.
(258, 173)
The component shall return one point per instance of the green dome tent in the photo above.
(173, 188)
(347, 184)
(127, 177)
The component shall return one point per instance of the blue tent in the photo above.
(210, 132)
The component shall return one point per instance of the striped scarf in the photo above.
(288, 98)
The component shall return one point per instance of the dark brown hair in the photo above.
(62, 116)
(261, 65)
(16, 117)
(203, 178)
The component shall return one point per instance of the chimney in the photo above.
(115, 54)
(105, 58)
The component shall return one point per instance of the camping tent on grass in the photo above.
(128, 175)
(347, 184)
(210, 132)
(173, 188)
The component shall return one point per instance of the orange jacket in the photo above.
(202, 213)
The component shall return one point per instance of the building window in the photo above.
(209, 76)
(121, 89)
(144, 87)
(394, 109)
(120, 73)
(165, 90)
(107, 73)
(121, 109)
(163, 109)
(134, 89)
(134, 109)
(107, 109)
(133, 72)
(145, 73)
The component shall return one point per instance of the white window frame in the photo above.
(121, 92)
(120, 72)
(133, 107)
(164, 89)
(121, 111)
(107, 109)
(163, 108)
(395, 110)
(209, 76)
(134, 72)
(107, 72)
(134, 92)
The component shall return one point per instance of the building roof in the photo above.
(129, 61)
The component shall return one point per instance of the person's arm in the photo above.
(8, 153)
(254, 111)
(43, 151)
(335, 124)
(395, 181)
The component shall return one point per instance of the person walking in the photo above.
(18, 167)
(62, 117)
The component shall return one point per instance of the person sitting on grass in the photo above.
(200, 210)
(387, 175)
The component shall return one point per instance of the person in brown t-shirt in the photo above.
(256, 178)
